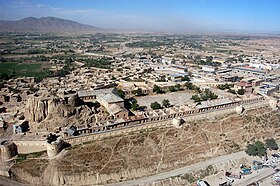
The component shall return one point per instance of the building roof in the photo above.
(71, 130)
(99, 92)
(114, 109)
(223, 71)
(243, 84)
(215, 102)
(111, 98)
(251, 69)
(178, 75)
(86, 93)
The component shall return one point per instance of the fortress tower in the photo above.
(273, 103)
(177, 122)
(239, 109)
(8, 151)
(54, 145)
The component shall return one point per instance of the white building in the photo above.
(208, 69)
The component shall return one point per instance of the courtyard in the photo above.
(175, 98)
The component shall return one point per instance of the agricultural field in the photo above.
(19, 69)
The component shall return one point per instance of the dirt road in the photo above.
(182, 170)
(260, 176)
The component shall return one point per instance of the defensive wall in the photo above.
(161, 121)
(29, 146)
(106, 131)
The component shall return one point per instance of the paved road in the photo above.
(182, 170)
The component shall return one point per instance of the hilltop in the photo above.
(45, 24)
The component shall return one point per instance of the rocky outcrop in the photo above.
(38, 109)
(55, 111)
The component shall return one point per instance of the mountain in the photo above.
(45, 24)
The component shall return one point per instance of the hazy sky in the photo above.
(155, 15)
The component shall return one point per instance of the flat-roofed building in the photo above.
(250, 71)
(208, 69)
(108, 98)
(178, 76)
(247, 86)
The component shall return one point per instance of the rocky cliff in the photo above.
(56, 112)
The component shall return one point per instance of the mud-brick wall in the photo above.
(95, 136)
(25, 147)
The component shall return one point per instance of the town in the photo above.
(59, 91)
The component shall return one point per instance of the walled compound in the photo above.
(134, 124)
(173, 116)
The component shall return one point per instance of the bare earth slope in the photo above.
(45, 24)
(150, 152)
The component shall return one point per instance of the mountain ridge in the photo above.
(45, 24)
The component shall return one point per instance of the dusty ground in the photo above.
(175, 98)
(158, 150)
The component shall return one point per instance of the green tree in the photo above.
(196, 89)
(251, 150)
(157, 89)
(241, 91)
(256, 149)
(166, 103)
(209, 95)
(178, 86)
(134, 104)
(196, 98)
(271, 144)
(121, 93)
(231, 91)
(138, 92)
(172, 89)
(261, 148)
(224, 86)
(155, 105)
(189, 85)
(185, 78)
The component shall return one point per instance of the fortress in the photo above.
(54, 144)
